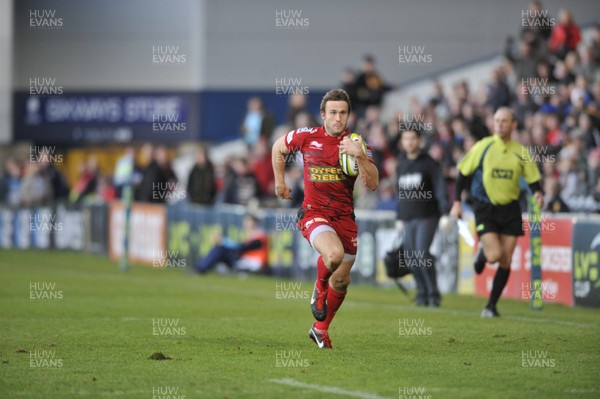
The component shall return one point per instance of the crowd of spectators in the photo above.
(32, 182)
(37, 180)
(550, 78)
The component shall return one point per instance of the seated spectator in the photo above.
(262, 169)
(141, 164)
(524, 63)
(124, 171)
(594, 107)
(58, 182)
(349, 85)
(87, 181)
(565, 36)
(251, 255)
(593, 161)
(596, 44)
(552, 201)
(587, 68)
(296, 105)
(537, 31)
(370, 86)
(476, 124)
(572, 180)
(303, 119)
(592, 135)
(201, 185)
(35, 188)
(240, 185)
(10, 183)
(258, 122)
(438, 103)
(498, 94)
(555, 134)
(379, 146)
(159, 179)
(523, 106)
(105, 191)
(387, 196)
(562, 73)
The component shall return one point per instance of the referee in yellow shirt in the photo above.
(496, 164)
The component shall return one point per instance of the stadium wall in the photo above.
(249, 46)
(228, 51)
(6, 41)
(178, 235)
(243, 45)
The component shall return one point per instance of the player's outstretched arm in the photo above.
(278, 154)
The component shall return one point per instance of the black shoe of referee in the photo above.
(489, 313)
(480, 260)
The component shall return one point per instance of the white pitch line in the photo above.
(468, 313)
(339, 391)
(219, 288)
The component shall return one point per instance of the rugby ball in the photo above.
(348, 162)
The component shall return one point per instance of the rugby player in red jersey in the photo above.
(326, 218)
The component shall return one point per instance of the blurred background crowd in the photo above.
(550, 77)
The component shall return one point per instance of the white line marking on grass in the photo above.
(469, 313)
(339, 391)
(582, 390)
(560, 322)
(504, 391)
(520, 318)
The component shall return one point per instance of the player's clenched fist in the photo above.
(282, 191)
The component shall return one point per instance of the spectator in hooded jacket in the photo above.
(201, 187)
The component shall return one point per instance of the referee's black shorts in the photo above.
(501, 219)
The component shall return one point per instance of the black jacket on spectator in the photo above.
(239, 189)
(421, 188)
(154, 183)
(201, 184)
(60, 188)
(478, 128)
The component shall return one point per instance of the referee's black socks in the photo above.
(500, 280)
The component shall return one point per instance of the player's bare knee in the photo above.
(340, 283)
(505, 262)
(334, 258)
(492, 255)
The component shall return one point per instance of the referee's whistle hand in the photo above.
(456, 211)
(539, 197)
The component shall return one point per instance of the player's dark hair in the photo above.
(336, 95)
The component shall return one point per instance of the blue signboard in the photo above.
(106, 117)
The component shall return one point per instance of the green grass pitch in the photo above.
(90, 332)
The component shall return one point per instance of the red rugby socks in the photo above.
(323, 275)
(334, 301)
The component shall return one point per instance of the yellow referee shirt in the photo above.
(497, 168)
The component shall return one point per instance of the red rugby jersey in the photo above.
(326, 187)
